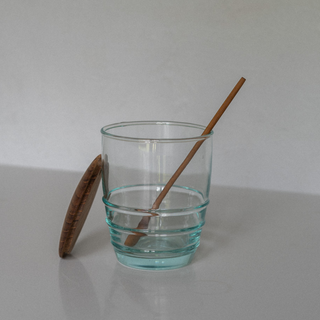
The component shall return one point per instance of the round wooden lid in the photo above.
(80, 206)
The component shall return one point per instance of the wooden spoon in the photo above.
(143, 224)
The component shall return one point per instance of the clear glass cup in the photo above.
(138, 160)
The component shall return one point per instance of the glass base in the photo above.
(168, 239)
(153, 263)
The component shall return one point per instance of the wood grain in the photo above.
(80, 206)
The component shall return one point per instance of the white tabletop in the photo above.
(258, 258)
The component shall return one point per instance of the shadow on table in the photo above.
(77, 292)
(235, 213)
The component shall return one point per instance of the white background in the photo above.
(69, 67)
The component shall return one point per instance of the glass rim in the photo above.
(104, 131)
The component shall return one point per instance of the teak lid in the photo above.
(80, 206)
